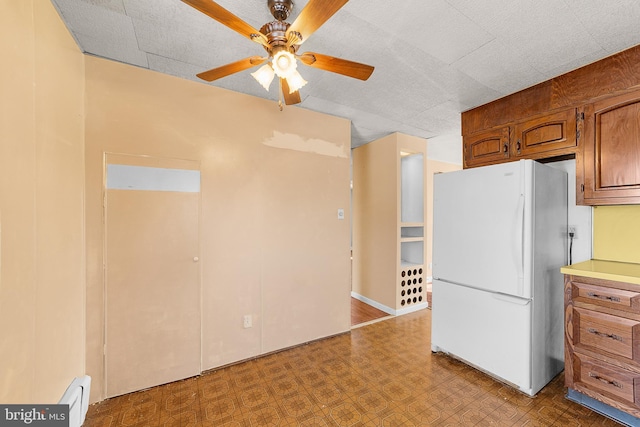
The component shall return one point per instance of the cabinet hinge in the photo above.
(580, 116)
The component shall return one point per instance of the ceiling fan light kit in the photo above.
(281, 40)
(264, 75)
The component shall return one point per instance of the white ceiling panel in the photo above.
(114, 5)
(433, 59)
(498, 67)
(102, 31)
(596, 19)
(433, 27)
(443, 148)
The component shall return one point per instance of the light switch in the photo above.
(340, 213)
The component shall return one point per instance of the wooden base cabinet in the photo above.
(602, 341)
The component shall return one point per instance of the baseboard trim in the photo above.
(373, 303)
(389, 310)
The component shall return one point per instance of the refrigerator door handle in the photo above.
(510, 298)
(520, 242)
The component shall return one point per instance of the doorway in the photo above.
(152, 273)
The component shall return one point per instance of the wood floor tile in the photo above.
(381, 374)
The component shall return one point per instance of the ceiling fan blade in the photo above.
(337, 65)
(223, 16)
(314, 14)
(234, 67)
(289, 98)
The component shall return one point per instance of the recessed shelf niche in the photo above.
(389, 222)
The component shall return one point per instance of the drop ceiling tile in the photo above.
(500, 68)
(114, 5)
(113, 51)
(159, 10)
(209, 50)
(102, 32)
(570, 66)
(544, 33)
(363, 119)
(440, 119)
(612, 24)
(445, 148)
(433, 27)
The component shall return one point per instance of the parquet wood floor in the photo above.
(362, 312)
(382, 374)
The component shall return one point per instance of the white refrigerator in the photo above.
(499, 240)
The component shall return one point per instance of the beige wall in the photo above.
(272, 182)
(42, 264)
(375, 219)
(433, 167)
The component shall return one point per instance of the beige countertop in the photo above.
(608, 270)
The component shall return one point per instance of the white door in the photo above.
(478, 228)
(152, 272)
(488, 330)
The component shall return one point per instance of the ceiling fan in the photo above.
(282, 40)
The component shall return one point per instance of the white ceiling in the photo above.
(434, 58)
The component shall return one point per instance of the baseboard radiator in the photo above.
(77, 397)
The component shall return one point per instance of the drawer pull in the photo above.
(604, 297)
(604, 380)
(605, 335)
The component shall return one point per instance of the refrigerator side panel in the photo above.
(487, 330)
(549, 251)
(477, 232)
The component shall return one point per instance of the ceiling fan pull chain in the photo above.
(280, 94)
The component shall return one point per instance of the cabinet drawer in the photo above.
(606, 379)
(606, 333)
(606, 297)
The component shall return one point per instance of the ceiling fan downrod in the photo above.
(280, 9)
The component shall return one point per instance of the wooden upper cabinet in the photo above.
(550, 134)
(487, 147)
(612, 150)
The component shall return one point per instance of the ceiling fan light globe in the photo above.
(284, 63)
(264, 75)
(295, 81)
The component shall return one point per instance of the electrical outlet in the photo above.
(247, 321)
(572, 229)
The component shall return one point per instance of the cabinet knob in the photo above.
(505, 148)
(196, 259)
(518, 146)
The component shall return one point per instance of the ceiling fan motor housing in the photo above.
(276, 32)
(280, 9)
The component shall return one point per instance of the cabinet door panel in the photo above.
(486, 148)
(612, 151)
(618, 145)
(546, 134)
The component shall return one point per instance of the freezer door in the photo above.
(478, 224)
(489, 331)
